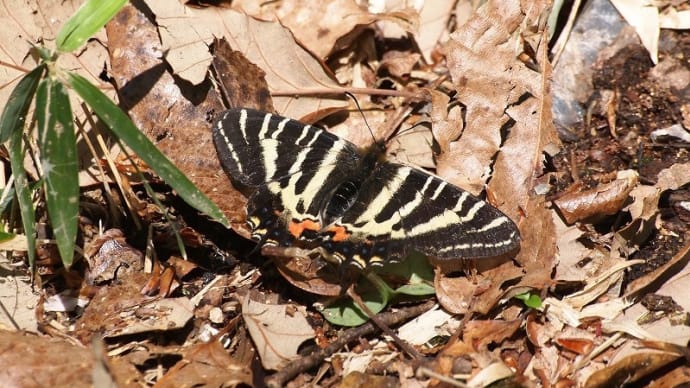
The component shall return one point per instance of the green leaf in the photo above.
(417, 273)
(12, 128)
(122, 127)
(5, 236)
(89, 18)
(345, 312)
(14, 113)
(26, 207)
(530, 300)
(57, 142)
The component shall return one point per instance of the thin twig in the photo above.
(412, 352)
(343, 90)
(298, 366)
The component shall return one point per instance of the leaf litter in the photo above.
(483, 115)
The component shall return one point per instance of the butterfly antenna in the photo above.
(361, 112)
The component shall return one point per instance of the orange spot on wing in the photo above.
(296, 228)
(340, 233)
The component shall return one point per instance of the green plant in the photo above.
(47, 85)
(416, 273)
(530, 300)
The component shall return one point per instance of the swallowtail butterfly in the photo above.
(312, 189)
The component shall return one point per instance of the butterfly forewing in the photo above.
(313, 186)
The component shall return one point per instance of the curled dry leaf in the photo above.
(208, 365)
(630, 369)
(492, 84)
(481, 333)
(489, 78)
(243, 83)
(645, 205)
(289, 68)
(651, 280)
(109, 256)
(606, 199)
(156, 104)
(433, 19)
(326, 29)
(399, 64)
(276, 332)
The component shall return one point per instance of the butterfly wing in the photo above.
(311, 185)
(292, 168)
(400, 208)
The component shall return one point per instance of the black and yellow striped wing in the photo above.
(312, 188)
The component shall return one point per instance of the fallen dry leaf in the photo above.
(482, 333)
(208, 365)
(243, 83)
(606, 199)
(113, 258)
(188, 32)
(645, 206)
(33, 361)
(433, 19)
(276, 332)
(155, 103)
(338, 23)
(630, 369)
(645, 19)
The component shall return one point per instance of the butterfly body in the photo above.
(311, 188)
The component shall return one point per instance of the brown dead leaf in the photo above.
(243, 83)
(326, 28)
(187, 33)
(207, 365)
(492, 84)
(606, 199)
(651, 280)
(576, 345)
(308, 275)
(433, 20)
(121, 309)
(276, 333)
(33, 361)
(399, 64)
(110, 256)
(481, 333)
(155, 102)
(489, 78)
(181, 266)
(630, 369)
(461, 294)
(645, 206)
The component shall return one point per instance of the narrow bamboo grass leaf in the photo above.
(14, 113)
(12, 128)
(88, 19)
(122, 127)
(21, 187)
(57, 142)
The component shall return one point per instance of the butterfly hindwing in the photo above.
(313, 186)
(401, 208)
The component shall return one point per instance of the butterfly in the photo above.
(313, 189)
